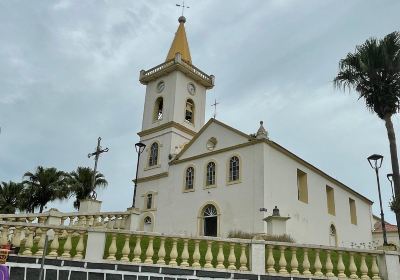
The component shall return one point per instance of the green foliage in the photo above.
(9, 197)
(373, 70)
(395, 205)
(81, 183)
(266, 237)
(43, 186)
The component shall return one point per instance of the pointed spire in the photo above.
(180, 44)
(261, 132)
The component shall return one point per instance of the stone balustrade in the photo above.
(109, 220)
(99, 244)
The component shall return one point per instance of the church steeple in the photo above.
(180, 43)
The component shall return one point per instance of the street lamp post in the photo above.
(375, 161)
(139, 150)
(390, 178)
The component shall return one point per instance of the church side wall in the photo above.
(238, 204)
(310, 222)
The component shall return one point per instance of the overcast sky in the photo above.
(69, 73)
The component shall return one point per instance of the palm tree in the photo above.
(373, 70)
(46, 185)
(9, 197)
(81, 184)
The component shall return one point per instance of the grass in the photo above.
(120, 241)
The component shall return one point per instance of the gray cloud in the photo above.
(69, 73)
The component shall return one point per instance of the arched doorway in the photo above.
(332, 236)
(210, 220)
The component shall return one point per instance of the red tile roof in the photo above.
(389, 227)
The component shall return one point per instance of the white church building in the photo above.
(207, 178)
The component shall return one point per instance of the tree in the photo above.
(45, 185)
(373, 70)
(9, 197)
(81, 184)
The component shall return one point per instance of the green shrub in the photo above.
(266, 237)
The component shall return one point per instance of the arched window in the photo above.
(234, 169)
(210, 178)
(332, 235)
(189, 111)
(153, 158)
(158, 109)
(147, 220)
(189, 178)
(210, 220)
(149, 201)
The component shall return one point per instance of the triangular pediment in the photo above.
(214, 136)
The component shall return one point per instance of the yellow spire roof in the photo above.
(180, 43)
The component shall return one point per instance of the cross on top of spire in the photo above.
(182, 6)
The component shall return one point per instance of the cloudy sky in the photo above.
(69, 73)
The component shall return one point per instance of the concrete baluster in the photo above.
(112, 250)
(352, 267)
(16, 241)
(364, 268)
(71, 220)
(54, 245)
(282, 261)
(150, 251)
(232, 257)
(28, 243)
(41, 242)
(80, 247)
(161, 252)
(196, 254)
(220, 256)
(63, 219)
(126, 249)
(137, 251)
(340, 266)
(375, 269)
(117, 224)
(4, 235)
(329, 265)
(294, 264)
(68, 245)
(317, 264)
(90, 221)
(185, 253)
(270, 260)
(174, 252)
(208, 257)
(243, 258)
(306, 263)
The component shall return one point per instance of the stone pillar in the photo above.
(96, 242)
(276, 224)
(133, 221)
(389, 265)
(89, 206)
(257, 256)
(54, 217)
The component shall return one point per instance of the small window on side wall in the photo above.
(153, 157)
(149, 201)
(210, 176)
(234, 169)
(353, 211)
(302, 188)
(189, 178)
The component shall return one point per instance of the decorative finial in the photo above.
(183, 9)
(181, 19)
(261, 132)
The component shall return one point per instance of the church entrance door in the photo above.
(210, 220)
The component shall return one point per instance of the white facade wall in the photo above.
(178, 211)
(310, 222)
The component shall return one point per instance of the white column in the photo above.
(257, 257)
(96, 242)
(389, 265)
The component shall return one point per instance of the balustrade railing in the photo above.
(182, 251)
(284, 259)
(66, 242)
(320, 261)
(109, 220)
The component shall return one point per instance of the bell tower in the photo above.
(174, 109)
